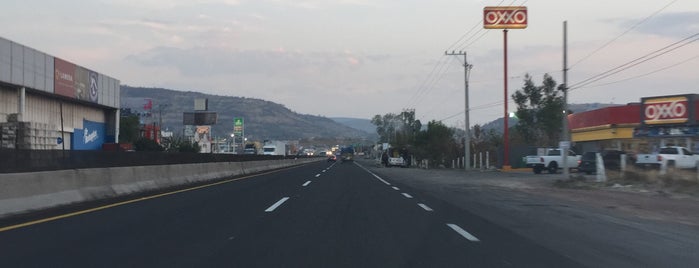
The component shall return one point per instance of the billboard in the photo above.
(199, 118)
(74, 81)
(238, 126)
(90, 137)
(666, 110)
(508, 17)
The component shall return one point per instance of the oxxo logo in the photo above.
(666, 111)
(505, 17)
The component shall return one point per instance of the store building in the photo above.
(49, 103)
(639, 127)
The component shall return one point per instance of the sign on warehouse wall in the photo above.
(89, 137)
(508, 17)
(74, 81)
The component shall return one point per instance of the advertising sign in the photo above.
(64, 78)
(665, 110)
(90, 137)
(74, 81)
(509, 17)
(199, 118)
(238, 126)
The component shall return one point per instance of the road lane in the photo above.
(347, 217)
(172, 230)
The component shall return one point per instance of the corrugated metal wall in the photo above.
(8, 103)
(25, 66)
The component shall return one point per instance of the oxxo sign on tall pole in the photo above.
(508, 17)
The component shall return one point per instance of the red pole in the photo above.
(506, 162)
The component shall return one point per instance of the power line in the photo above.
(635, 62)
(419, 96)
(624, 33)
(433, 78)
(645, 74)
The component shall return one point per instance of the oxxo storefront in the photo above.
(639, 127)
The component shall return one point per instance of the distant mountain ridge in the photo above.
(262, 119)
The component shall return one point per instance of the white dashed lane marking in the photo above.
(279, 203)
(462, 232)
(407, 195)
(425, 207)
(307, 183)
(395, 188)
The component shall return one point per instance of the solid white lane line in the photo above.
(279, 203)
(463, 232)
(307, 183)
(375, 176)
(425, 207)
(317, 175)
(395, 188)
(407, 195)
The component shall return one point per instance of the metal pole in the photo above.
(565, 98)
(506, 142)
(467, 129)
(63, 139)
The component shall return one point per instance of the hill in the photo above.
(356, 123)
(263, 119)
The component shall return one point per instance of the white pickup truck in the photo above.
(551, 160)
(676, 157)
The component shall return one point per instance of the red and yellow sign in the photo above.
(509, 17)
(670, 110)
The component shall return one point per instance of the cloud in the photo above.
(677, 24)
(208, 61)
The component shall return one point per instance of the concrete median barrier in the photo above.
(24, 192)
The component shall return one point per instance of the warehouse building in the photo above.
(47, 103)
(639, 127)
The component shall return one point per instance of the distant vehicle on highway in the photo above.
(347, 154)
(274, 148)
(250, 149)
(332, 158)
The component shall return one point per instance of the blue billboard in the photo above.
(90, 137)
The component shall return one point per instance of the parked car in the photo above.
(674, 156)
(610, 158)
(551, 160)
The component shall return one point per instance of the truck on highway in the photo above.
(673, 156)
(274, 148)
(551, 160)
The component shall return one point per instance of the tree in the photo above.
(540, 111)
(144, 144)
(398, 129)
(183, 145)
(129, 128)
(436, 143)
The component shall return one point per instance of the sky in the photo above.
(360, 58)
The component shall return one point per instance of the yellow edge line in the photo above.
(21, 225)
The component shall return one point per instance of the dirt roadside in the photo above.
(642, 200)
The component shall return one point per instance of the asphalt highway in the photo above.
(317, 215)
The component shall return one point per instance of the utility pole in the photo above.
(467, 128)
(565, 138)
